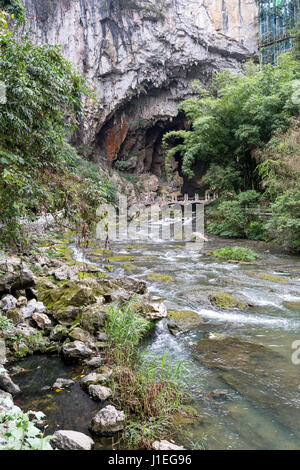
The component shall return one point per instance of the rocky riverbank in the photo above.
(55, 305)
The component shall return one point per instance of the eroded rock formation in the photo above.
(141, 57)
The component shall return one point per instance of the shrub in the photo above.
(236, 254)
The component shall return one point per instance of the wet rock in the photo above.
(96, 361)
(94, 378)
(8, 302)
(226, 300)
(42, 320)
(180, 321)
(108, 421)
(165, 445)
(292, 305)
(62, 383)
(99, 392)
(6, 383)
(154, 308)
(220, 395)
(76, 350)
(71, 440)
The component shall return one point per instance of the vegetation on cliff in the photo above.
(40, 172)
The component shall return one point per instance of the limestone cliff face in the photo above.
(141, 57)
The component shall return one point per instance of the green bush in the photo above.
(236, 254)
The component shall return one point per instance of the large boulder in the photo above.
(76, 350)
(71, 440)
(101, 374)
(108, 421)
(33, 307)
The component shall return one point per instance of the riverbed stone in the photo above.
(15, 315)
(59, 333)
(94, 378)
(293, 305)
(62, 383)
(108, 421)
(78, 334)
(6, 382)
(96, 361)
(99, 392)
(226, 300)
(93, 317)
(166, 445)
(71, 440)
(180, 321)
(76, 350)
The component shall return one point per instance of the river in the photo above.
(261, 406)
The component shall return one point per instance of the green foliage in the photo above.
(236, 115)
(236, 254)
(14, 7)
(19, 432)
(236, 216)
(40, 172)
(284, 227)
(6, 324)
(148, 390)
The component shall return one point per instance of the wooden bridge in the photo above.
(185, 199)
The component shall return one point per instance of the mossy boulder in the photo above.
(183, 320)
(116, 259)
(273, 278)
(226, 300)
(109, 268)
(78, 334)
(92, 275)
(128, 267)
(159, 277)
(66, 301)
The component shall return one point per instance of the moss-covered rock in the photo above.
(272, 278)
(93, 317)
(91, 275)
(226, 300)
(109, 268)
(116, 259)
(293, 305)
(128, 267)
(66, 301)
(159, 277)
(183, 320)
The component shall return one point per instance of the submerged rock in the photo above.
(71, 440)
(62, 383)
(108, 421)
(261, 374)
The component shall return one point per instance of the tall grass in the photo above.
(148, 391)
